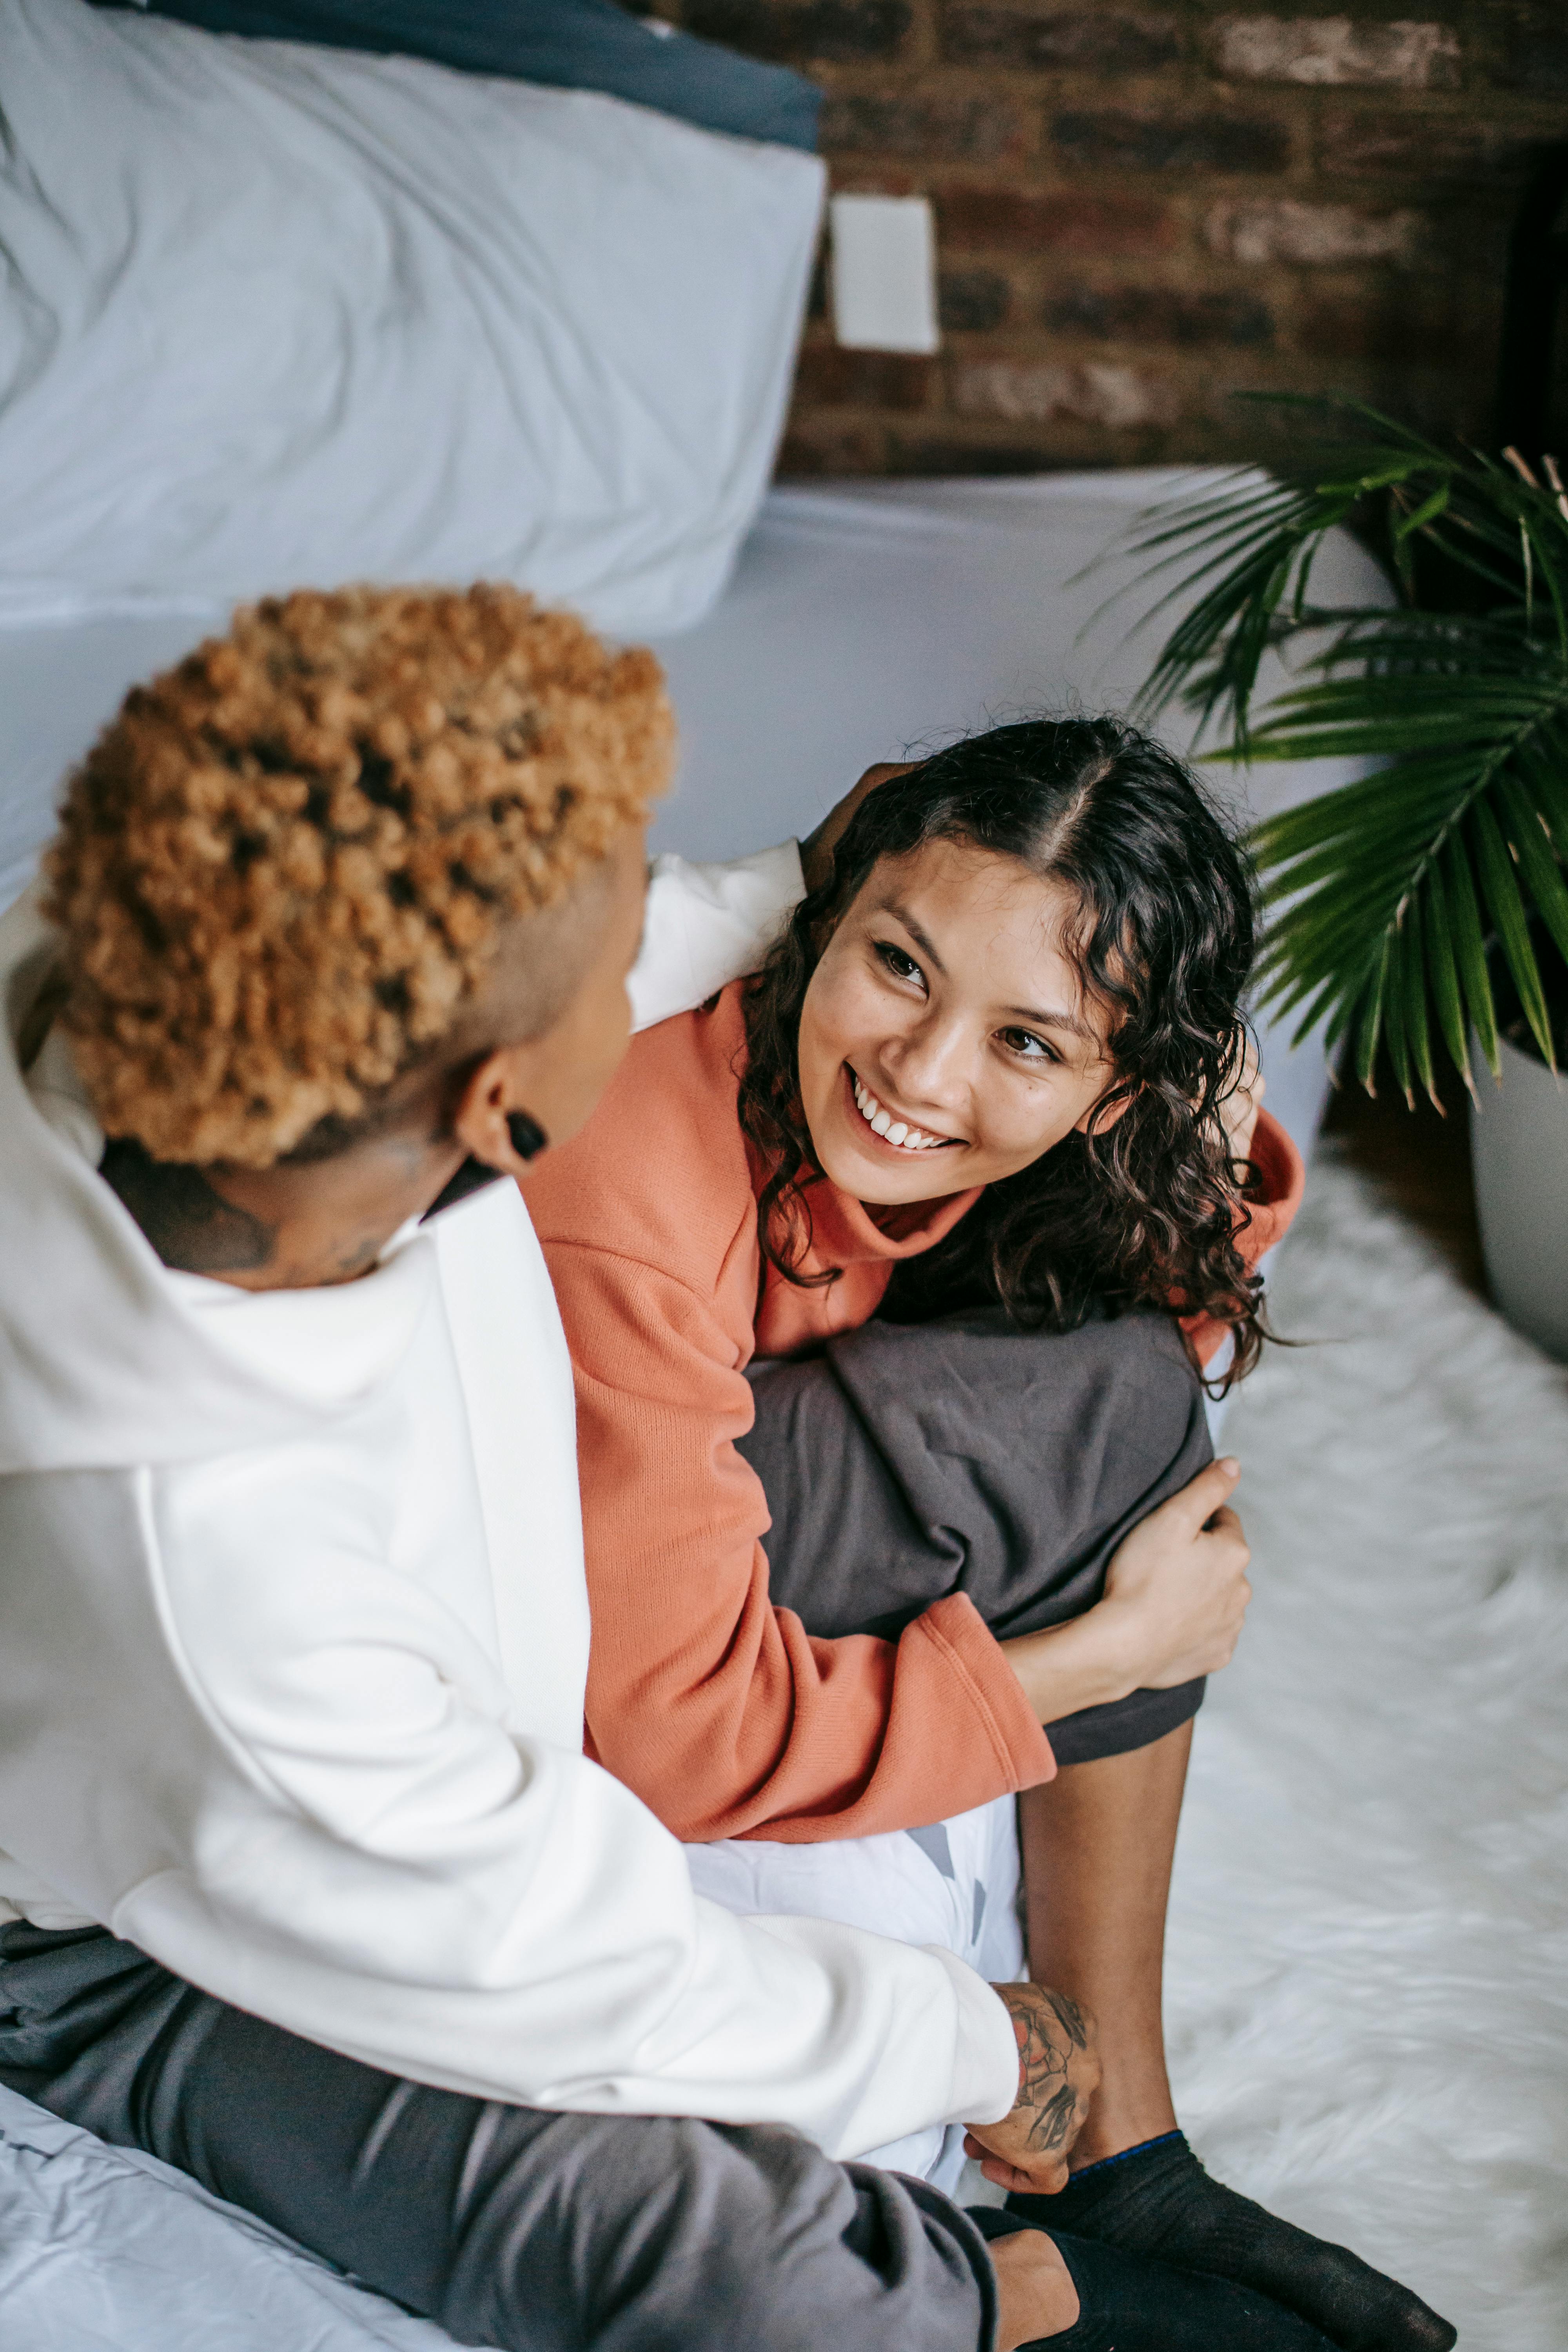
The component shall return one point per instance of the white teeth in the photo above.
(897, 1132)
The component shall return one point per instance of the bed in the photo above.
(861, 621)
(160, 457)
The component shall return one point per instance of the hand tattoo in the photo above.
(1052, 2031)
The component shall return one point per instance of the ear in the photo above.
(491, 1121)
(1101, 1116)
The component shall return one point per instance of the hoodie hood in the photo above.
(107, 1358)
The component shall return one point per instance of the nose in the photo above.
(929, 1066)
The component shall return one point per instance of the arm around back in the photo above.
(716, 1706)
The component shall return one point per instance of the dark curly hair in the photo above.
(1140, 1213)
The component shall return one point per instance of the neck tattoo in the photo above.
(190, 1224)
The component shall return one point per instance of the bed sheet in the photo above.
(105, 2250)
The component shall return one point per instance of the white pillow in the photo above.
(279, 314)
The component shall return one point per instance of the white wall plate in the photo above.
(884, 274)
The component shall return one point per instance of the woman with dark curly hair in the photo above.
(890, 1276)
(939, 1180)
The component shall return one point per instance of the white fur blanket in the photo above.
(1369, 1947)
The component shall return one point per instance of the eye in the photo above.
(902, 965)
(1027, 1047)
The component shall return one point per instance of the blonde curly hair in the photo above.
(285, 865)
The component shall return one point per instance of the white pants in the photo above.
(955, 1883)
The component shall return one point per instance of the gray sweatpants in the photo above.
(909, 1461)
(512, 2227)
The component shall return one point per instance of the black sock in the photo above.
(1157, 2199)
(1129, 2304)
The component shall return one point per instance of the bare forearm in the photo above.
(1085, 1663)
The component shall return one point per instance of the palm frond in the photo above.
(1242, 555)
(1442, 966)
(1469, 944)
(1368, 865)
(1388, 899)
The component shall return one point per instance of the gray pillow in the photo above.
(571, 44)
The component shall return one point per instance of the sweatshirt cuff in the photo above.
(1023, 1750)
(985, 2066)
(708, 925)
(1281, 1180)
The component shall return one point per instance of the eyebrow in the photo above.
(1053, 1021)
(1067, 1021)
(920, 938)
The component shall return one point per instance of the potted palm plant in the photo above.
(1420, 914)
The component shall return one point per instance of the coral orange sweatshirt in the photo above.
(723, 1713)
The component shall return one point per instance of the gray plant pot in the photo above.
(1519, 1139)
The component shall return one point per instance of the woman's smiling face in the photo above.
(946, 1039)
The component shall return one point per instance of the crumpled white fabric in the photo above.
(955, 1883)
(279, 314)
(106, 2250)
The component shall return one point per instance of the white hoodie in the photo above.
(293, 1633)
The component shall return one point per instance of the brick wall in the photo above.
(1141, 209)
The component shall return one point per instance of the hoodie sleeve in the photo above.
(334, 1829)
(707, 925)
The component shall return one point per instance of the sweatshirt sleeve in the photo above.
(707, 925)
(338, 1831)
(723, 1714)
(1268, 1211)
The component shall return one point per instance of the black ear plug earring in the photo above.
(528, 1138)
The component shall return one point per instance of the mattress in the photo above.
(862, 623)
(105, 2250)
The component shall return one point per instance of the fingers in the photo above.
(1044, 2179)
(1202, 1496)
(816, 850)
(1249, 1079)
(1049, 2182)
(1179, 1581)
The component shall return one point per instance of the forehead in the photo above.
(988, 907)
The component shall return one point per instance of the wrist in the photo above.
(1087, 1662)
